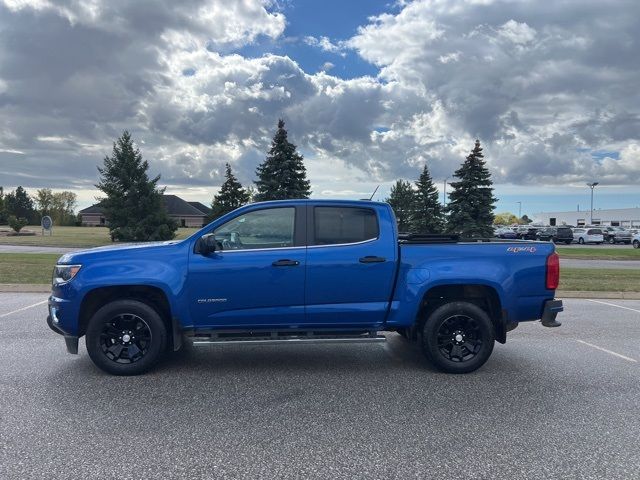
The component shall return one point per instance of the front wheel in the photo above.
(612, 241)
(636, 244)
(126, 337)
(581, 241)
(458, 337)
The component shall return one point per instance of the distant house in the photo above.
(201, 206)
(187, 214)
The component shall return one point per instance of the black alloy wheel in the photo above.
(126, 337)
(458, 337)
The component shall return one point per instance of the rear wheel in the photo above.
(458, 337)
(126, 337)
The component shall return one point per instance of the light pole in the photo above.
(444, 193)
(519, 210)
(592, 186)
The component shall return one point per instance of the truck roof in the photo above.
(302, 201)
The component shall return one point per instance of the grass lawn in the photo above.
(600, 253)
(27, 267)
(73, 237)
(600, 280)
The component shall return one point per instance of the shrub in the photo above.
(17, 223)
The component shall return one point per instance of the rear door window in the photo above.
(340, 225)
(594, 231)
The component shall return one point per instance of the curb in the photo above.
(603, 295)
(24, 288)
(46, 288)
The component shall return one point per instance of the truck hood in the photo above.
(108, 251)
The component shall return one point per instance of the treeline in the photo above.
(19, 208)
(133, 202)
(471, 202)
(133, 206)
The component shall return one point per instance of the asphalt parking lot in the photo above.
(551, 403)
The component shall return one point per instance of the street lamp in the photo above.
(444, 193)
(592, 186)
(519, 210)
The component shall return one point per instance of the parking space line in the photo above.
(614, 305)
(23, 309)
(628, 359)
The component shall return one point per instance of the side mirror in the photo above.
(207, 244)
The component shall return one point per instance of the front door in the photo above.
(256, 276)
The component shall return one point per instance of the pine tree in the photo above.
(282, 175)
(428, 216)
(402, 200)
(230, 197)
(471, 203)
(133, 204)
(20, 204)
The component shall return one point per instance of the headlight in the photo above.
(64, 273)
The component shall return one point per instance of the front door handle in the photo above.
(286, 263)
(372, 259)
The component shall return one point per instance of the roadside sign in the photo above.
(47, 224)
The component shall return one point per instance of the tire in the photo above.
(612, 241)
(636, 244)
(458, 337)
(581, 241)
(569, 242)
(126, 354)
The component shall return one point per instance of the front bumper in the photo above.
(551, 310)
(71, 341)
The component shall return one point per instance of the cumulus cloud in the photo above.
(531, 80)
(544, 86)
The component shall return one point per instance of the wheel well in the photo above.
(152, 296)
(483, 296)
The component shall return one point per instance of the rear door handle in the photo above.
(285, 263)
(372, 259)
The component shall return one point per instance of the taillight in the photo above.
(553, 271)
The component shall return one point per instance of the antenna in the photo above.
(374, 192)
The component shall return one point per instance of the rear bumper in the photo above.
(551, 310)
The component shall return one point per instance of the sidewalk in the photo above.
(46, 288)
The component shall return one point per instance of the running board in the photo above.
(198, 342)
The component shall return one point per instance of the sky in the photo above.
(370, 92)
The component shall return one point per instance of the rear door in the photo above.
(351, 260)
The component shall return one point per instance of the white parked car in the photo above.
(588, 235)
(635, 241)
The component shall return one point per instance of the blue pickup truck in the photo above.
(301, 271)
